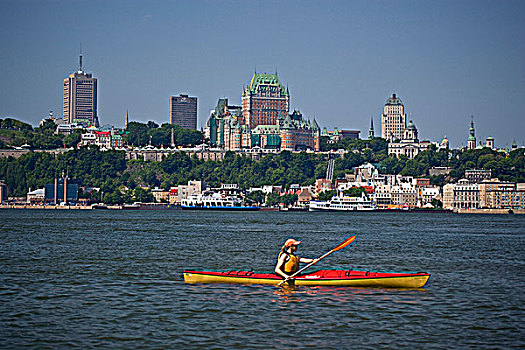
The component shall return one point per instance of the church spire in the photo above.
(371, 130)
(471, 141)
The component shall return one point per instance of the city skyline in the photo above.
(340, 60)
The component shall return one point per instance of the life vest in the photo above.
(291, 265)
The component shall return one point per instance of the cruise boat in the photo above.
(214, 201)
(344, 203)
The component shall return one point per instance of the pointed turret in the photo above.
(315, 126)
(371, 130)
(287, 123)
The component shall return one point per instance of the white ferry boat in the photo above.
(344, 203)
(214, 201)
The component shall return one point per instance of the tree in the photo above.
(327, 195)
(354, 191)
(257, 197)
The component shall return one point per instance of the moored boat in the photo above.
(215, 201)
(344, 203)
(317, 278)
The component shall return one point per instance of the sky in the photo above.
(341, 60)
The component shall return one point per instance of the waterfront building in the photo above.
(427, 194)
(183, 111)
(80, 98)
(37, 196)
(264, 101)
(304, 196)
(393, 119)
(409, 145)
(495, 194)
(160, 195)
(383, 196)
(462, 195)
(404, 195)
(4, 192)
(62, 190)
(184, 191)
(471, 141)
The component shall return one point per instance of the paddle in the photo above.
(341, 245)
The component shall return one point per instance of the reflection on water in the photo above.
(114, 280)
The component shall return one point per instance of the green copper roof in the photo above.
(394, 100)
(265, 82)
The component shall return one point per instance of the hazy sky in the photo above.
(446, 60)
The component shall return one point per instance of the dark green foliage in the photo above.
(354, 191)
(14, 124)
(256, 197)
(327, 195)
(140, 134)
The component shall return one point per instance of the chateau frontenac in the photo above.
(263, 120)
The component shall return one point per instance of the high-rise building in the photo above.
(393, 120)
(80, 98)
(264, 101)
(183, 111)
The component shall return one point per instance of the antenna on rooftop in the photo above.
(80, 58)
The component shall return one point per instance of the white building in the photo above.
(462, 195)
(409, 145)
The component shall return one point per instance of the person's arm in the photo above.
(280, 263)
(307, 261)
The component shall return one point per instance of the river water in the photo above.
(113, 279)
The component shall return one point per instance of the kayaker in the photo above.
(288, 262)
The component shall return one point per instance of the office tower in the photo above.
(393, 120)
(183, 111)
(80, 98)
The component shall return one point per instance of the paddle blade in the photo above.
(344, 243)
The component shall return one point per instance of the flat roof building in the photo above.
(183, 111)
(80, 98)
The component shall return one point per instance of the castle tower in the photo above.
(264, 100)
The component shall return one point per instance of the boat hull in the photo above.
(224, 208)
(318, 278)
